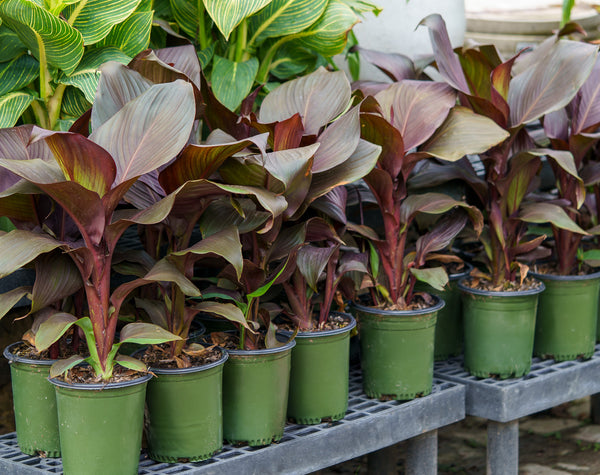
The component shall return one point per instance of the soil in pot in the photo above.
(567, 317)
(397, 350)
(319, 373)
(101, 424)
(184, 409)
(499, 328)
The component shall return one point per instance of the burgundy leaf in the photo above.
(440, 236)
(395, 66)
(311, 262)
(288, 133)
(338, 142)
(586, 104)
(57, 277)
(333, 204)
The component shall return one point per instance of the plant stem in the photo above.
(265, 65)
(240, 44)
(201, 35)
(40, 114)
(54, 104)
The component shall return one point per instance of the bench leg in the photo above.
(595, 409)
(422, 454)
(383, 461)
(503, 448)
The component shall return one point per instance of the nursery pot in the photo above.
(255, 394)
(35, 405)
(397, 350)
(319, 375)
(499, 328)
(185, 416)
(567, 316)
(101, 425)
(449, 325)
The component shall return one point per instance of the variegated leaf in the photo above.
(228, 14)
(131, 36)
(12, 105)
(18, 73)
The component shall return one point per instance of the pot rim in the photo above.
(501, 293)
(421, 311)
(460, 275)
(101, 386)
(319, 334)
(537, 275)
(11, 357)
(266, 351)
(192, 369)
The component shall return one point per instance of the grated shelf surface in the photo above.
(369, 425)
(548, 384)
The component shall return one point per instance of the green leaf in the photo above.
(132, 36)
(185, 13)
(232, 81)
(12, 105)
(95, 18)
(285, 17)
(131, 363)
(328, 35)
(549, 213)
(62, 366)
(44, 34)
(9, 299)
(18, 73)
(436, 276)
(74, 103)
(227, 14)
(11, 44)
(226, 310)
(52, 329)
(592, 257)
(464, 132)
(146, 334)
(86, 76)
(265, 288)
(206, 55)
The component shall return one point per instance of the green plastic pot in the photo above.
(35, 405)
(255, 394)
(449, 326)
(396, 350)
(319, 374)
(567, 316)
(184, 413)
(101, 426)
(499, 329)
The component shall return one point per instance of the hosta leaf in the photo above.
(95, 18)
(225, 243)
(549, 213)
(318, 97)
(227, 14)
(52, 329)
(12, 105)
(232, 81)
(12, 46)
(86, 76)
(118, 85)
(462, 133)
(227, 310)
(18, 248)
(131, 36)
(18, 73)
(328, 35)
(436, 276)
(139, 138)
(552, 82)
(43, 33)
(9, 299)
(146, 334)
(285, 17)
(57, 277)
(416, 108)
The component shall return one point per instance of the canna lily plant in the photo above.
(413, 120)
(87, 177)
(512, 93)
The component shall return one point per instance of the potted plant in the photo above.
(500, 307)
(569, 276)
(87, 178)
(396, 324)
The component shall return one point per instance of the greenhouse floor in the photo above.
(559, 441)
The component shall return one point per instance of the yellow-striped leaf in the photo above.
(95, 18)
(86, 76)
(227, 14)
(328, 35)
(285, 17)
(132, 36)
(12, 46)
(43, 34)
(74, 103)
(12, 105)
(185, 13)
(18, 73)
(232, 81)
